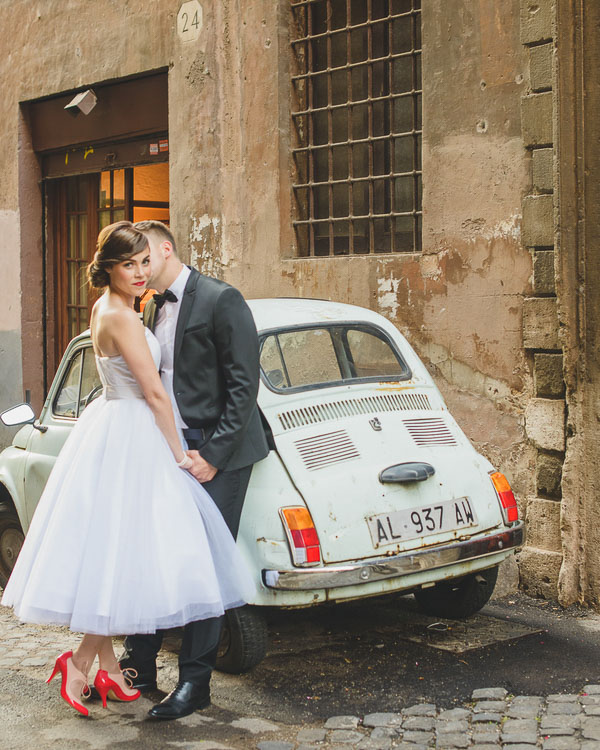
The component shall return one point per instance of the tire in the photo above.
(460, 598)
(11, 541)
(243, 640)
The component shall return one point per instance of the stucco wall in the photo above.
(11, 391)
(459, 301)
(577, 216)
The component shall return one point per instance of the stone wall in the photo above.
(541, 560)
(577, 217)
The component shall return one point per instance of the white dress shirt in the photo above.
(164, 330)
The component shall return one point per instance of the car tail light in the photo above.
(302, 536)
(507, 499)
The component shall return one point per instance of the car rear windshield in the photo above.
(327, 355)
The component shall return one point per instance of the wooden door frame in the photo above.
(57, 281)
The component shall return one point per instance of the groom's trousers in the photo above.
(200, 642)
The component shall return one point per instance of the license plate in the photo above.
(400, 525)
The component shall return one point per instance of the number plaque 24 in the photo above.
(189, 21)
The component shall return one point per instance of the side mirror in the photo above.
(21, 414)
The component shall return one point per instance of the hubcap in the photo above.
(11, 542)
(225, 642)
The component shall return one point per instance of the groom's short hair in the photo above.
(156, 229)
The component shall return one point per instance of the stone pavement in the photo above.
(492, 719)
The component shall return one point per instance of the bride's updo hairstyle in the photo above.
(116, 242)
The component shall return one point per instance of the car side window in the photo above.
(372, 356)
(91, 385)
(326, 355)
(80, 385)
(309, 357)
(272, 364)
(67, 398)
(296, 358)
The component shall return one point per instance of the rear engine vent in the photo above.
(324, 450)
(352, 407)
(429, 431)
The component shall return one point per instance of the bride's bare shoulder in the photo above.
(111, 316)
(113, 326)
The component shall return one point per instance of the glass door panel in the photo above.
(82, 205)
(151, 192)
(78, 252)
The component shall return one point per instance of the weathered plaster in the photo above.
(577, 114)
(11, 391)
(10, 319)
(11, 385)
(460, 301)
(203, 237)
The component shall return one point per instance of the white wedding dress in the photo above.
(123, 541)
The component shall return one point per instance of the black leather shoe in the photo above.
(145, 679)
(184, 700)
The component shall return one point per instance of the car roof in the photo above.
(287, 312)
(284, 312)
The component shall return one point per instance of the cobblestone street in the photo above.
(34, 715)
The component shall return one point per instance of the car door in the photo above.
(76, 384)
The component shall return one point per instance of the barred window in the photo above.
(356, 116)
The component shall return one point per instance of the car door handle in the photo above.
(412, 471)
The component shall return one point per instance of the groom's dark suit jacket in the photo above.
(216, 371)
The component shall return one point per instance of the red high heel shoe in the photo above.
(108, 687)
(71, 676)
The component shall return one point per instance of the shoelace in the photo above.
(85, 691)
(129, 675)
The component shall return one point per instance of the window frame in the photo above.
(76, 352)
(368, 327)
(382, 228)
(84, 349)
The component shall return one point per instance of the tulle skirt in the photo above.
(123, 541)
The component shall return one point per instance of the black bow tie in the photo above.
(166, 296)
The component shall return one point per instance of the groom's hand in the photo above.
(201, 469)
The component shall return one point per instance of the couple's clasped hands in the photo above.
(200, 468)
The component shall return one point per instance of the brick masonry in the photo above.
(543, 272)
(548, 475)
(542, 162)
(541, 560)
(536, 21)
(548, 375)
(540, 61)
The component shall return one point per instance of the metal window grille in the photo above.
(357, 126)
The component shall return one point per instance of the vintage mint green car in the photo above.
(370, 486)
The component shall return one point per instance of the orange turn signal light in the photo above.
(302, 535)
(506, 496)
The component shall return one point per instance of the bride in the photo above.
(124, 540)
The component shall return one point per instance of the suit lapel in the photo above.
(184, 312)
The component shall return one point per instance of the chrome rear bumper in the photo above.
(406, 563)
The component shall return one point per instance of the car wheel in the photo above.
(11, 541)
(459, 598)
(243, 640)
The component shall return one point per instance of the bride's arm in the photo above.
(128, 336)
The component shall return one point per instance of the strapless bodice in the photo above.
(116, 377)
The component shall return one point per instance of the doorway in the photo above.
(78, 208)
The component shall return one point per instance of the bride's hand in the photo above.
(201, 469)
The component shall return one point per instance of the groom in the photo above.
(209, 367)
